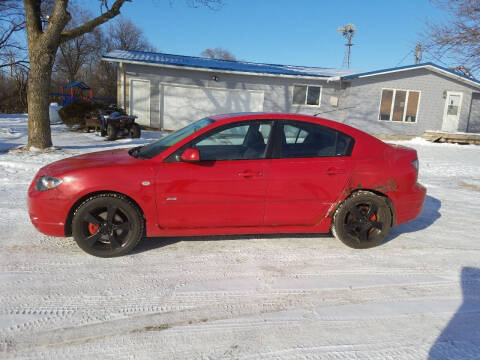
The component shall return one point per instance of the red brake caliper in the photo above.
(92, 228)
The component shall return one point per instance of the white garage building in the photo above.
(170, 91)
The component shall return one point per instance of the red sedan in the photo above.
(232, 174)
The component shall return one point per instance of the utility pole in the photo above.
(418, 53)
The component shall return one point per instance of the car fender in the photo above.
(138, 188)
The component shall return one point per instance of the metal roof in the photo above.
(192, 62)
(428, 65)
(79, 84)
(222, 65)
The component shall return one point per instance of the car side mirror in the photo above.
(190, 155)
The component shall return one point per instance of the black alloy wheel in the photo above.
(107, 225)
(362, 221)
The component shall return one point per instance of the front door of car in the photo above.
(225, 188)
(310, 169)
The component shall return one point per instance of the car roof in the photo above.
(250, 115)
(244, 116)
(364, 140)
(365, 144)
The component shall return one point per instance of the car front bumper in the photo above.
(47, 211)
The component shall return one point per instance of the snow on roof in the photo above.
(224, 65)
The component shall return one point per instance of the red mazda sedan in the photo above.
(231, 174)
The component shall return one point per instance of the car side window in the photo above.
(294, 134)
(245, 141)
(302, 140)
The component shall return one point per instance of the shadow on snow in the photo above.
(461, 337)
(428, 216)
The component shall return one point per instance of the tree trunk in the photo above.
(41, 64)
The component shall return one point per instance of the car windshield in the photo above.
(153, 149)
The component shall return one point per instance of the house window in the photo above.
(399, 105)
(306, 95)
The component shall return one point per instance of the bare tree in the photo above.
(218, 53)
(13, 90)
(11, 23)
(457, 40)
(77, 53)
(13, 57)
(123, 34)
(45, 33)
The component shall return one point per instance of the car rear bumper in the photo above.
(409, 205)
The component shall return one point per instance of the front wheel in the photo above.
(107, 225)
(362, 221)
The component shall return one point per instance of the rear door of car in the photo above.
(226, 188)
(310, 168)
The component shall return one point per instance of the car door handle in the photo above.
(335, 171)
(248, 174)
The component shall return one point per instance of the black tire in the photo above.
(107, 225)
(135, 131)
(112, 131)
(362, 221)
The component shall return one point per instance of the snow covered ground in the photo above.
(248, 297)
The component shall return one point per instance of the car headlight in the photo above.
(47, 183)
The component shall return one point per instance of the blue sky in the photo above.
(302, 32)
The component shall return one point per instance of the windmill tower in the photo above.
(347, 32)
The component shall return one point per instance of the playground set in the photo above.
(78, 90)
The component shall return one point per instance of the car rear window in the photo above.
(302, 139)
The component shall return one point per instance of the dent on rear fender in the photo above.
(390, 186)
(384, 188)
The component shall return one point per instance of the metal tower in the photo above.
(347, 32)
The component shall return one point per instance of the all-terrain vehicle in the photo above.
(113, 123)
(117, 124)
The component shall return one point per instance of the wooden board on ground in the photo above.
(457, 138)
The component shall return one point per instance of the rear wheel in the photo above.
(112, 131)
(107, 225)
(362, 221)
(135, 131)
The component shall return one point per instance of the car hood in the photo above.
(97, 159)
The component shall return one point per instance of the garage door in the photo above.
(182, 105)
(140, 101)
